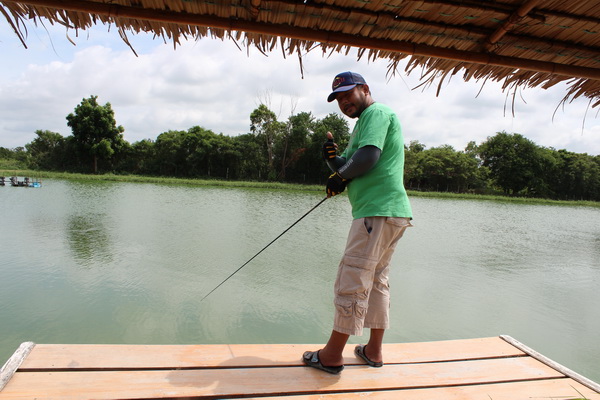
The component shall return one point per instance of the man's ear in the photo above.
(365, 89)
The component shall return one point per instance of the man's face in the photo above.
(353, 102)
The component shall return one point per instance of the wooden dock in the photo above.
(497, 368)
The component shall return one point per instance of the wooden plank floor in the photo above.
(488, 368)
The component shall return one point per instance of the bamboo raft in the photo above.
(498, 368)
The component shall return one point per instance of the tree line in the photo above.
(290, 151)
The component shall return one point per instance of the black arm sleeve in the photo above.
(360, 163)
(335, 163)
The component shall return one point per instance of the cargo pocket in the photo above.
(360, 309)
(355, 278)
(344, 307)
(347, 308)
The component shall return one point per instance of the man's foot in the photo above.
(311, 358)
(359, 350)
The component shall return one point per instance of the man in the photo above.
(372, 166)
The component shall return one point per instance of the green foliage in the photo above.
(514, 161)
(265, 126)
(577, 175)
(520, 167)
(95, 132)
(310, 167)
(5, 153)
(293, 142)
(46, 150)
(10, 164)
(252, 163)
(13, 159)
(290, 151)
(137, 158)
(442, 169)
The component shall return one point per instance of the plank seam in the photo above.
(382, 389)
(14, 362)
(133, 369)
(456, 385)
(215, 367)
(552, 364)
(210, 367)
(458, 360)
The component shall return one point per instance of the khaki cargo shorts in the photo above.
(362, 296)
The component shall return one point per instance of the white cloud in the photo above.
(213, 84)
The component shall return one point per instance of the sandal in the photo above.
(359, 350)
(311, 358)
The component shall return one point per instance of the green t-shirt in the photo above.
(380, 192)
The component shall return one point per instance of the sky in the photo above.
(213, 84)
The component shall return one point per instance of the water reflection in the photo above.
(89, 241)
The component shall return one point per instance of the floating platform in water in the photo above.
(25, 182)
(497, 368)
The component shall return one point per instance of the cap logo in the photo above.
(338, 81)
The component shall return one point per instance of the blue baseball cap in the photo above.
(343, 82)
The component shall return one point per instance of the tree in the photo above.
(293, 142)
(46, 151)
(139, 158)
(252, 163)
(13, 159)
(413, 166)
(6, 153)
(210, 154)
(311, 161)
(95, 131)
(444, 168)
(196, 152)
(170, 153)
(197, 147)
(577, 176)
(264, 124)
(513, 161)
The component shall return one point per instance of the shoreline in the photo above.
(282, 186)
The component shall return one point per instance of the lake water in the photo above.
(89, 262)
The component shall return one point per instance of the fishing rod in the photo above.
(264, 248)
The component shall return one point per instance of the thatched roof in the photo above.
(519, 42)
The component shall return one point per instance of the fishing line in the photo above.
(264, 248)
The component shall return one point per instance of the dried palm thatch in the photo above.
(521, 43)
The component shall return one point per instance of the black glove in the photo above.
(336, 184)
(329, 150)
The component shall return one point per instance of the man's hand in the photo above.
(329, 148)
(335, 184)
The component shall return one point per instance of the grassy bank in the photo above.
(276, 186)
(159, 180)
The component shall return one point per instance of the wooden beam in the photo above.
(14, 362)
(552, 364)
(501, 8)
(117, 12)
(254, 8)
(513, 19)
